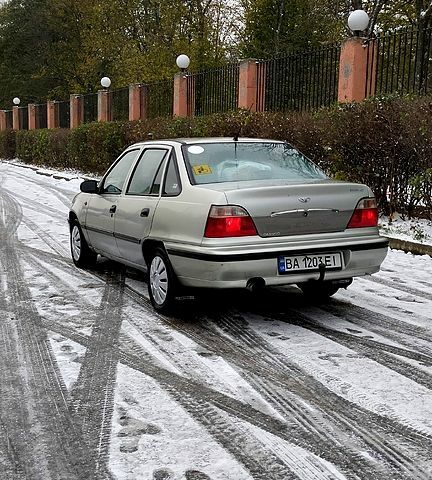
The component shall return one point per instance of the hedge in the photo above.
(383, 142)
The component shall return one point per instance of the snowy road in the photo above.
(95, 385)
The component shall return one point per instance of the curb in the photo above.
(410, 247)
(48, 173)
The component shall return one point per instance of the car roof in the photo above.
(188, 141)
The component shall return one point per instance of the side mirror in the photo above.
(89, 186)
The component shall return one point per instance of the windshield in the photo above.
(241, 161)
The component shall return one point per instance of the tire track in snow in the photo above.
(62, 195)
(309, 430)
(384, 436)
(93, 392)
(33, 400)
(400, 286)
(379, 352)
(398, 330)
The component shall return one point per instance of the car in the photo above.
(226, 213)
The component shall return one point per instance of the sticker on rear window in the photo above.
(202, 170)
(195, 149)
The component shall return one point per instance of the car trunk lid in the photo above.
(287, 209)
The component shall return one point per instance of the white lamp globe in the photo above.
(16, 101)
(183, 62)
(358, 20)
(105, 82)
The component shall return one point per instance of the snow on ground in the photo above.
(415, 230)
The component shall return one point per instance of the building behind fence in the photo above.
(396, 62)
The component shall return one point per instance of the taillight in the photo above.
(229, 221)
(365, 214)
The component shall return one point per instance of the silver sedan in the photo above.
(226, 213)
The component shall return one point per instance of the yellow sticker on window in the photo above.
(202, 170)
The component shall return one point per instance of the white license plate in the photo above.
(307, 263)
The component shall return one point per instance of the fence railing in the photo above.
(90, 104)
(9, 119)
(299, 81)
(41, 115)
(397, 62)
(214, 91)
(159, 98)
(64, 114)
(120, 104)
(23, 117)
(403, 61)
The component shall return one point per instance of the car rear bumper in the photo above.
(216, 268)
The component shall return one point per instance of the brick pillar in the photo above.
(357, 70)
(15, 118)
(180, 107)
(76, 110)
(3, 124)
(104, 106)
(248, 85)
(135, 102)
(53, 114)
(31, 116)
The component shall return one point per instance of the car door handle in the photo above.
(145, 212)
(113, 209)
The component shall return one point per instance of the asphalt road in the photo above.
(95, 384)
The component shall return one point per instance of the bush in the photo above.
(383, 142)
(8, 144)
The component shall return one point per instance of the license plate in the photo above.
(309, 263)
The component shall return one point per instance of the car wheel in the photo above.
(318, 291)
(162, 285)
(82, 256)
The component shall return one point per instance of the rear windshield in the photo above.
(241, 161)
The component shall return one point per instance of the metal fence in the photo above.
(299, 81)
(159, 98)
(64, 114)
(404, 61)
(23, 117)
(213, 91)
(41, 115)
(9, 119)
(90, 101)
(120, 104)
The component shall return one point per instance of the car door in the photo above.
(136, 208)
(102, 207)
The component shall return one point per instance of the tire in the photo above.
(82, 256)
(318, 291)
(162, 283)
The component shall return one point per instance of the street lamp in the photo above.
(105, 82)
(358, 21)
(16, 101)
(183, 62)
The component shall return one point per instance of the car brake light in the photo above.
(365, 214)
(229, 221)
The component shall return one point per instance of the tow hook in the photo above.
(322, 270)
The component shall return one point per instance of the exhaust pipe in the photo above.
(254, 284)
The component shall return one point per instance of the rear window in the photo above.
(241, 161)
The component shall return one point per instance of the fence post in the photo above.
(53, 114)
(15, 118)
(31, 116)
(248, 85)
(76, 110)
(138, 101)
(357, 70)
(3, 124)
(104, 106)
(180, 107)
